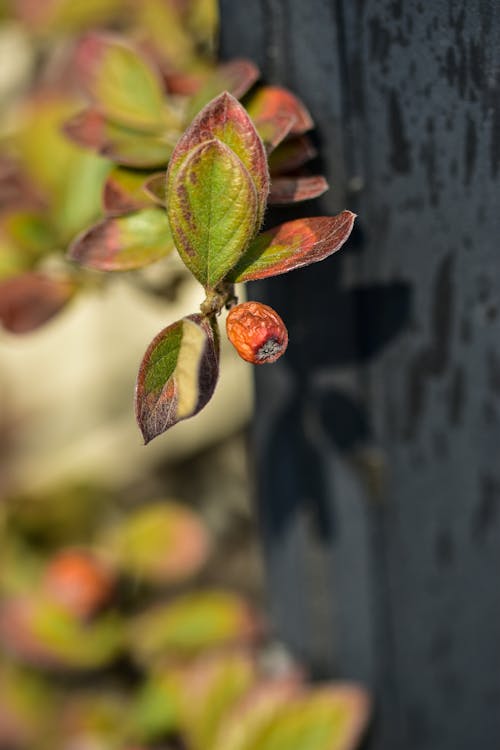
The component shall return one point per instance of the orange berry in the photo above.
(78, 581)
(257, 332)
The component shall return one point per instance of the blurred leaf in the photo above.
(192, 623)
(121, 82)
(66, 15)
(121, 243)
(291, 154)
(80, 202)
(203, 22)
(212, 209)
(162, 25)
(154, 187)
(156, 708)
(293, 245)
(240, 727)
(274, 130)
(162, 542)
(42, 148)
(26, 708)
(236, 77)
(123, 145)
(43, 634)
(124, 190)
(12, 261)
(327, 718)
(31, 299)
(212, 686)
(17, 191)
(177, 376)
(225, 120)
(285, 190)
(269, 102)
(30, 232)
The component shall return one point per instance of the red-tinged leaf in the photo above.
(155, 188)
(30, 300)
(272, 101)
(240, 727)
(121, 82)
(193, 623)
(292, 154)
(236, 77)
(285, 190)
(226, 120)
(331, 717)
(177, 376)
(293, 245)
(163, 542)
(212, 209)
(274, 130)
(90, 129)
(41, 633)
(124, 191)
(121, 243)
(16, 190)
(212, 687)
(184, 84)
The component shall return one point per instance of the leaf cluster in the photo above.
(167, 662)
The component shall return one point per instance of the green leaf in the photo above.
(236, 77)
(286, 190)
(213, 686)
(227, 121)
(124, 191)
(30, 300)
(30, 232)
(328, 718)
(212, 208)
(122, 83)
(192, 623)
(270, 102)
(121, 144)
(44, 634)
(156, 708)
(239, 729)
(177, 376)
(293, 245)
(164, 542)
(124, 242)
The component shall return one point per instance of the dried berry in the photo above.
(257, 332)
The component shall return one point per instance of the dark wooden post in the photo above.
(378, 437)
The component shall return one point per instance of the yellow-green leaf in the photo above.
(121, 82)
(121, 243)
(192, 623)
(212, 208)
(163, 542)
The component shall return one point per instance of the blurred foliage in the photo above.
(109, 88)
(108, 639)
(116, 640)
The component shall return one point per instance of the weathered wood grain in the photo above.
(378, 438)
